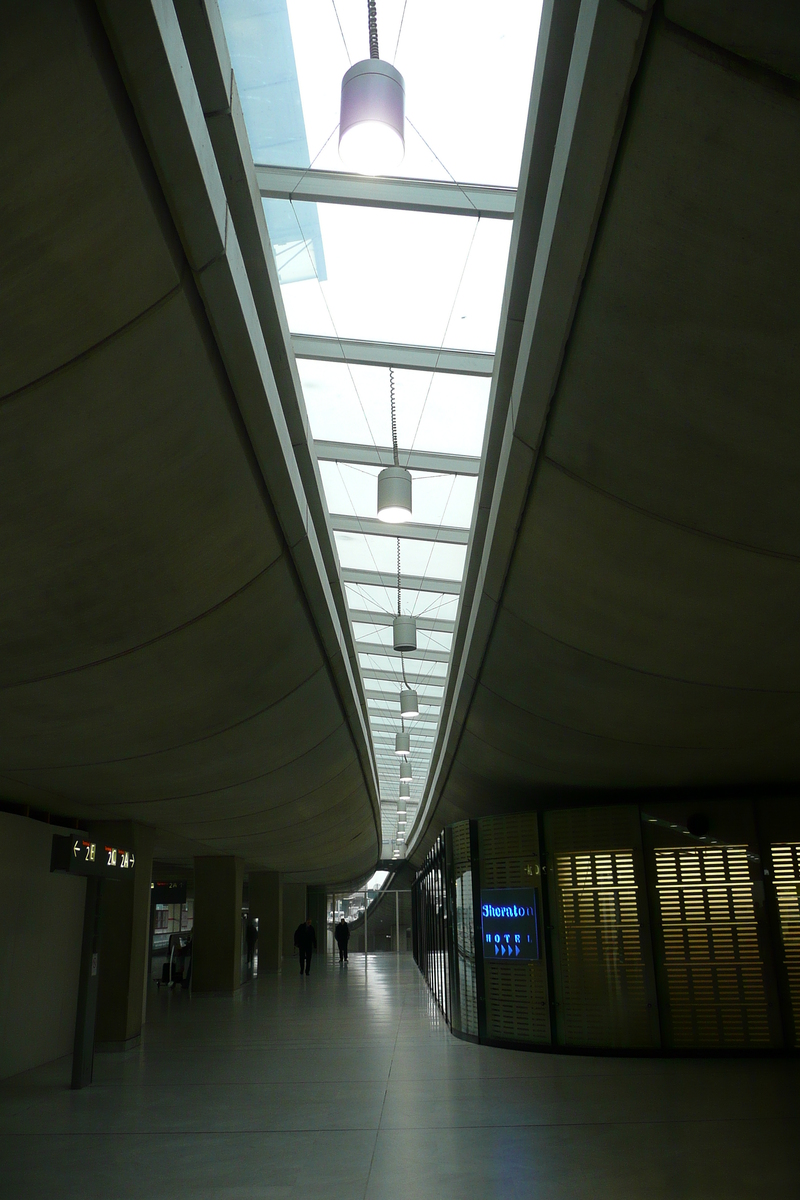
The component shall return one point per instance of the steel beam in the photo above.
(382, 456)
(413, 195)
(396, 677)
(446, 534)
(370, 617)
(411, 583)
(382, 698)
(387, 652)
(392, 354)
(386, 722)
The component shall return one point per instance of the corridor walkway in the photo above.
(347, 1086)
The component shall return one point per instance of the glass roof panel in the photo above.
(372, 552)
(396, 276)
(435, 410)
(399, 276)
(467, 67)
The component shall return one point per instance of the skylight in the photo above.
(378, 282)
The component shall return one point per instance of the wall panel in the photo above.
(713, 950)
(602, 960)
(517, 1001)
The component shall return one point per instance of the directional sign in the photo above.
(81, 855)
(509, 924)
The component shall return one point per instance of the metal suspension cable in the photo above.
(402, 659)
(393, 409)
(372, 21)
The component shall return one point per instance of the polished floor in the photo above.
(347, 1086)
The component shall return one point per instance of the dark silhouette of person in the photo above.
(306, 941)
(342, 935)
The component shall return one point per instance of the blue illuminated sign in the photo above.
(509, 924)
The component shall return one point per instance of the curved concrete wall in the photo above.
(160, 659)
(635, 623)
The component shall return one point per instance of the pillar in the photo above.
(266, 905)
(317, 909)
(124, 939)
(294, 913)
(217, 933)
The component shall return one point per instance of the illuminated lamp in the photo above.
(401, 805)
(404, 634)
(372, 113)
(402, 743)
(405, 792)
(409, 703)
(394, 495)
(405, 770)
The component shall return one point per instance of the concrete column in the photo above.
(124, 934)
(294, 912)
(317, 909)
(266, 905)
(217, 932)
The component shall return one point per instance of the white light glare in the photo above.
(371, 148)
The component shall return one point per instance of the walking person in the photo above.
(342, 935)
(306, 941)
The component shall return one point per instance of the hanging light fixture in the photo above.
(372, 114)
(402, 743)
(409, 703)
(394, 495)
(394, 483)
(404, 633)
(405, 769)
(401, 807)
(405, 792)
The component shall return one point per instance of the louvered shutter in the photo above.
(517, 1007)
(605, 988)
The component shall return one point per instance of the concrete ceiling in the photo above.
(161, 659)
(636, 595)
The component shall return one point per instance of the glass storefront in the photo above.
(667, 926)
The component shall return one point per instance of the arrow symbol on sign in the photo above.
(76, 848)
(517, 949)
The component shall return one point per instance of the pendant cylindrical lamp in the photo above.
(405, 792)
(409, 703)
(401, 808)
(405, 770)
(402, 743)
(394, 495)
(372, 117)
(404, 634)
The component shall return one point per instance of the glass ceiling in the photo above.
(388, 275)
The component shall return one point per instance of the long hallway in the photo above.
(348, 1086)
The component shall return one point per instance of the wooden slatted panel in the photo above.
(516, 1002)
(508, 847)
(786, 878)
(604, 998)
(461, 855)
(713, 963)
(465, 929)
(516, 993)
